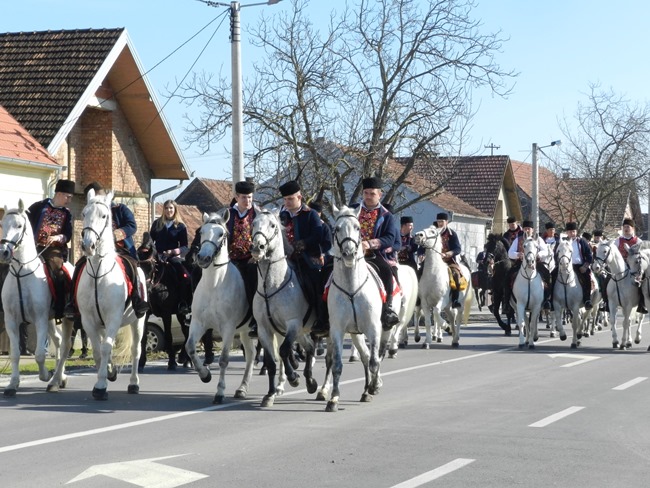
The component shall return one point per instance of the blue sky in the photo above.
(558, 47)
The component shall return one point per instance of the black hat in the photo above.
(598, 233)
(316, 206)
(406, 220)
(550, 225)
(371, 183)
(93, 186)
(629, 222)
(528, 223)
(511, 220)
(587, 235)
(244, 187)
(289, 188)
(64, 186)
(442, 216)
(571, 226)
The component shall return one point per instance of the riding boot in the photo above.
(208, 346)
(252, 328)
(140, 307)
(70, 310)
(321, 326)
(586, 294)
(388, 316)
(455, 303)
(547, 298)
(641, 307)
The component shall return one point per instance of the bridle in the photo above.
(340, 243)
(267, 240)
(216, 245)
(98, 235)
(15, 244)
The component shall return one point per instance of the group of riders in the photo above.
(309, 239)
(583, 254)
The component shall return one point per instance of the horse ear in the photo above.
(335, 209)
(146, 237)
(90, 195)
(357, 212)
(225, 214)
(21, 205)
(109, 196)
(206, 217)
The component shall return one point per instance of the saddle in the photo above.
(375, 276)
(127, 271)
(50, 279)
(455, 273)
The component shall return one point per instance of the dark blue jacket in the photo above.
(169, 238)
(124, 220)
(388, 232)
(307, 227)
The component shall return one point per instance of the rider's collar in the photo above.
(293, 214)
(240, 212)
(370, 209)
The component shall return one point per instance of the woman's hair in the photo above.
(160, 222)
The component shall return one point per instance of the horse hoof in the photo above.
(332, 407)
(416, 337)
(574, 346)
(267, 401)
(552, 334)
(614, 345)
(263, 371)
(312, 386)
(321, 396)
(563, 337)
(112, 373)
(295, 380)
(508, 332)
(402, 345)
(64, 383)
(531, 346)
(52, 388)
(218, 399)
(100, 394)
(240, 394)
(392, 353)
(320, 351)
(133, 389)
(366, 398)
(209, 359)
(425, 346)
(207, 378)
(439, 340)
(535, 339)
(628, 344)
(455, 345)
(171, 366)
(10, 392)
(353, 359)
(521, 346)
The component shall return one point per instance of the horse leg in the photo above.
(42, 326)
(249, 357)
(286, 350)
(613, 306)
(224, 359)
(637, 338)
(416, 323)
(323, 393)
(183, 358)
(169, 342)
(197, 330)
(101, 385)
(374, 380)
(12, 329)
(335, 351)
(575, 324)
(59, 379)
(438, 324)
(521, 322)
(558, 321)
(269, 363)
(137, 331)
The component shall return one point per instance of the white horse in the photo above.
(434, 289)
(407, 296)
(102, 293)
(219, 304)
(638, 260)
(528, 291)
(26, 298)
(567, 293)
(280, 308)
(622, 291)
(355, 304)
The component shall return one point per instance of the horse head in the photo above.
(347, 235)
(428, 238)
(565, 256)
(97, 232)
(267, 238)
(638, 259)
(16, 230)
(530, 252)
(602, 256)
(214, 234)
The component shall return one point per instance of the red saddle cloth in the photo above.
(122, 266)
(380, 284)
(50, 281)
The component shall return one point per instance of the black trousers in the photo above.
(385, 272)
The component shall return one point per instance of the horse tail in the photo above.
(122, 347)
(467, 305)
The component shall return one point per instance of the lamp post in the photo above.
(235, 66)
(535, 209)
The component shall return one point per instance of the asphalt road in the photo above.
(484, 415)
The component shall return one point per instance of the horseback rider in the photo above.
(601, 278)
(380, 239)
(516, 254)
(629, 237)
(170, 237)
(408, 253)
(124, 227)
(51, 221)
(514, 230)
(551, 238)
(450, 249)
(582, 258)
(304, 232)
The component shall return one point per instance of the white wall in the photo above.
(26, 182)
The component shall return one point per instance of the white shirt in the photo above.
(542, 249)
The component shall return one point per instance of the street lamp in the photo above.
(535, 215)
(235, 66)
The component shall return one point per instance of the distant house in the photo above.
(206, 194)
(83, 95)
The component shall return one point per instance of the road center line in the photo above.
(630, 383)
(557, 416)
(435, 473)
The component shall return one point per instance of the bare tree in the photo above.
(604, 165)
(388, 77)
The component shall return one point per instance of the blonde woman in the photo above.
(170, 237)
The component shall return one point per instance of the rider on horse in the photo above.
(551, 238)
(629, 237)
(514, 230)
(124, 227)
(303, 230)
(516, 254)
(408, 254)
(380, 238)
(582, 258)
(601, 278)
(51, 221)
(450, 249)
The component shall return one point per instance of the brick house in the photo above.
(83, 95)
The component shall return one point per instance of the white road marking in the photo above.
(555, 417)
(630, 383)
(435, 473)
(143, 472)
(584, 358)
